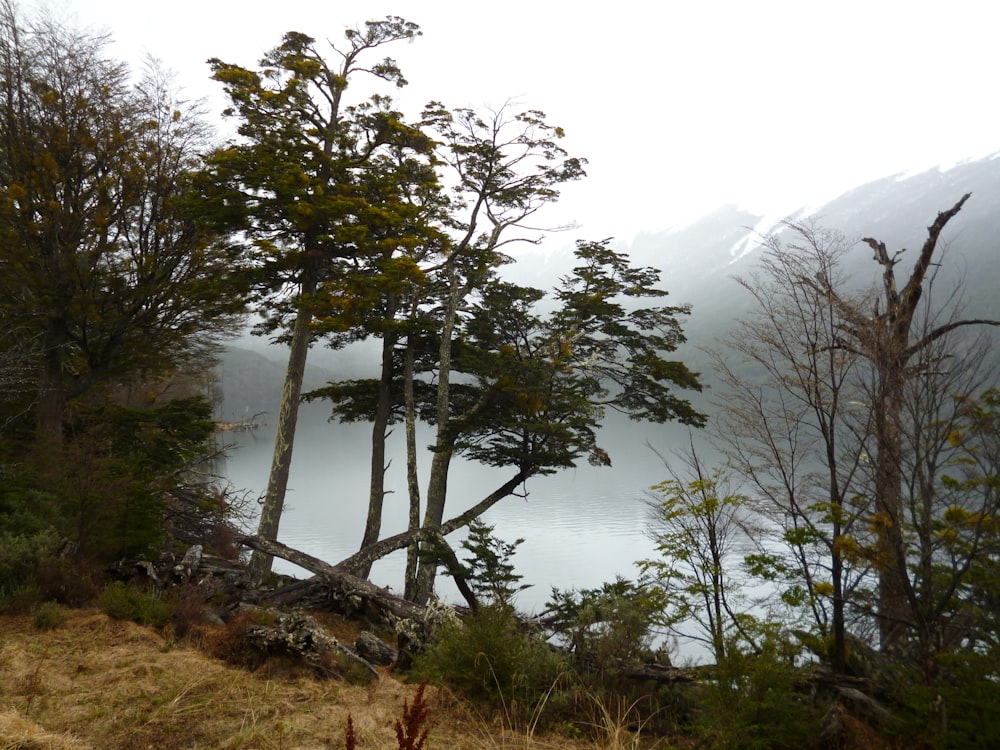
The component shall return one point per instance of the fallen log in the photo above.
(298, 635)
(356, 596)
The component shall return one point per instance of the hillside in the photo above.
(250, 381)
(102, 684)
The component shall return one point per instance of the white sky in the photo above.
(680, 107)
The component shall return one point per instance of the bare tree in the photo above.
(848, 427)
(895, 339)
(790, 421)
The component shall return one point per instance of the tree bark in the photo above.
(284, 439)
(380, 601)
(437, 486)
(412, 482)
(380, 427)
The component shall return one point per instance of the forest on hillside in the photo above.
(859, 422)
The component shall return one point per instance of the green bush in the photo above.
(66, 582)
(959, 708)
(124, 602)
(19, 600)
(756, 694)
(608, 628)
(20, 556)
(49, 616)
(490, 658)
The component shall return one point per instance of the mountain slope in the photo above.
(699, 262)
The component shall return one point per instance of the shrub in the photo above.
(19, 600)
(124, 602)
(187, 612)
(756, 693)
(490, 658)
(233, 644)
(49, 616)
(20, 555)
(489, 568)
(606, 629)
(959, 708)
(66, 582)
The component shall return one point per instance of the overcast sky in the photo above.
(680, 107)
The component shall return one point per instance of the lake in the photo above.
(581, 527)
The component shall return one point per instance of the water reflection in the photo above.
(580, 527)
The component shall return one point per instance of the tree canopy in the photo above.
(106, 275)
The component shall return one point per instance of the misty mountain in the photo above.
(250, 380)
(700, 261)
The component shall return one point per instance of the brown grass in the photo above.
(109, 685)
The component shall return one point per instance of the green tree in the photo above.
(106, 274)
(295, 184)
(488, 566)
(392, 278)
(503, 169)
(535, 385)
(700, 526)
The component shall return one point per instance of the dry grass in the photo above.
(109, 685)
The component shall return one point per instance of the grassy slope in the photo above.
(108, 685)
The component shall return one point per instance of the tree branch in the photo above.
(390, 544)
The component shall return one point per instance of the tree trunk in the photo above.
(52, 397)
(890, 347)
(412, 483)
(437, 486)
(894, 584)
(366, 595)
(380, 427)
(390, 544)
(284, 439)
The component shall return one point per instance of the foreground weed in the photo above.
(412, 729)
(613, 723)
(350, 738)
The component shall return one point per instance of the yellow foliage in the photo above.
(880, 522)
(823, 588)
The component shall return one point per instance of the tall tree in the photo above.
(892, 341)
(534, 386)
(392, 277)
(876, 418)
(294, 183)
(793, 427)
(105, 272)
(504, 168)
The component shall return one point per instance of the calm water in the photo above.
(581, 527)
